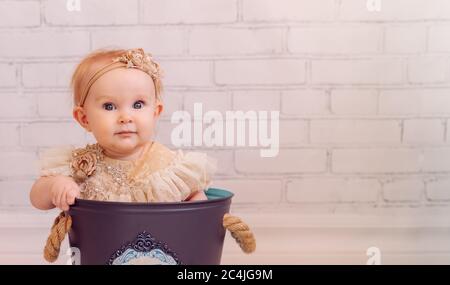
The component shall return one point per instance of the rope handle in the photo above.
(241, 232)
(61, 226)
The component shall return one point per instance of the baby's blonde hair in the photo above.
(92, 63)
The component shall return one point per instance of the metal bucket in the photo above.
(150, 233)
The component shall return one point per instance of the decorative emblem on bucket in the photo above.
(145, 249)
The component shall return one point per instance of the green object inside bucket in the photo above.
(216, 193)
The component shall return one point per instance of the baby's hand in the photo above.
(197, 196)
(63, 191)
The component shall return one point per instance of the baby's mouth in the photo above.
(125, 133)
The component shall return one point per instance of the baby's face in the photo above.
(121, 111)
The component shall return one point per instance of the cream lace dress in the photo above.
(159, 175)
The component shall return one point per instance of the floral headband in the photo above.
(133, 58)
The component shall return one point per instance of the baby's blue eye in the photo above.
(138, 104)
(108, 106)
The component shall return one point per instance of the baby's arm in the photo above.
(50, 191)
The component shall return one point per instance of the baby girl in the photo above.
(117, 97)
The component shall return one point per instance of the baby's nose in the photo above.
(125, 120)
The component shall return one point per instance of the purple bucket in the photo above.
(150, 233)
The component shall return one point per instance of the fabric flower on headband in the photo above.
(137, 58)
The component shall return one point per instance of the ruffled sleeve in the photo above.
(189, 173)
(56, 161)
(185, 174)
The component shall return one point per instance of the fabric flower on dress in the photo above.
(84, 161)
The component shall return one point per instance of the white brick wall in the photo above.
(354, 102)
(288, 10)
(114, 13)
(235, 41)
(423, 131)
(160, 41)
(395, 160)
(395, 10)
(332, 190)
(364, 98)
(18, 43)
(405, 39)
(57, 74)
(29, 12)
(7, 75)
(260, 72)
(405, 190)
(357, 72)
(335, 39)
(355, 131)
(437, 190)
(430, 69)
(188, 12)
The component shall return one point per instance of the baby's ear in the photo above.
(159, 108)
(80, 115)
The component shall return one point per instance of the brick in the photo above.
(47, 74)
(294, 132)
(52, 134)
(395, 10)
(403, 190)
(420, 102)
(406, 39)
(335, 40)
(256, 100)
(189, 11)
(160, 41)
(288, 10)
(15, 192)
(428, 69)
(305, 102)
(252, 190)
(92, 12)
(376, 160)
(70, 43)
(55, 104)
(436, 160)
(355, 131)
(260, 72)
(438, 190)
(423, 131)
(211, 101)
(287, 161)
(233, 41)
(377, 71)
(7, 75)
(354, 102)
(332, 190)
(173, 101)
(20, 14)
(19, 106)
(186, 73)
(438, 41)
(16, 163)
(9, 134)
